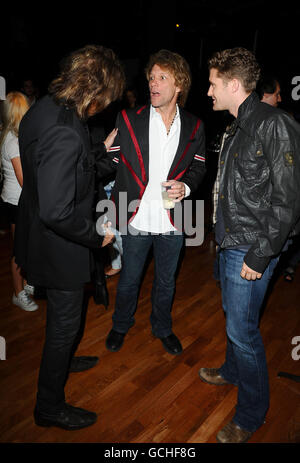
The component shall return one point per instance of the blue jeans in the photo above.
(115, 248)
(245, 363)
(166, 251)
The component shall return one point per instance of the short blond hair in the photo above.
(13, 109)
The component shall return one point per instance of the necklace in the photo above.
(168, 131)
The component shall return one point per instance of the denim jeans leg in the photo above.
(229, 369)
(245, 354)
(115, 256)
(135, 252)
(166, 249)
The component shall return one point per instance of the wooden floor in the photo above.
(142, 394)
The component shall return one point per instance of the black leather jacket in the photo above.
(259, 191)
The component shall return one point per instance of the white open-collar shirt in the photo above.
(151, 215)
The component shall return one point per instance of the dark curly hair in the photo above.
(92, 74)
(237, 63)
(178, 67)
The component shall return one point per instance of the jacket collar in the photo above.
(245, 109)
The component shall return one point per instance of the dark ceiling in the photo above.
(37, 39)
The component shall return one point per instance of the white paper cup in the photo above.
(168, 203)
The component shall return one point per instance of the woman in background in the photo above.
(14, 108)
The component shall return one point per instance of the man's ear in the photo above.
(235, 85)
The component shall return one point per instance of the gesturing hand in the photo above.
(110, 138)
(108, 236)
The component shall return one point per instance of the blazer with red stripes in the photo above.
(129, 156)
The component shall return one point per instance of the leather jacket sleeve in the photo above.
(281, 144)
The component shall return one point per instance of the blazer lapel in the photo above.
(141, 130)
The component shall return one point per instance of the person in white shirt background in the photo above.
(13, 110)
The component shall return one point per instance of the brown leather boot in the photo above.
(212, 376)
(233, 434)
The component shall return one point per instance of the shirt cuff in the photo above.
(187, 190)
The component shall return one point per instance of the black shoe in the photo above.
(70, 418)
(82, 363)
(114, 340)
(172, 344)
(101, 294)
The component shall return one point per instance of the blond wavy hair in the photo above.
(177, 66)
(12, 112)
(90, 75)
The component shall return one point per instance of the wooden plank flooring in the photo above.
(142, 394)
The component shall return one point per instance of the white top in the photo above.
(151, 215)
(11, 189)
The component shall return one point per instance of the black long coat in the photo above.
(56, 230)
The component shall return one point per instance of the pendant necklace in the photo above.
(168, 131)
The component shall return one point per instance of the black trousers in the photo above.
(64, 321)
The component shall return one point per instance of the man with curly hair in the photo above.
(258, 208)
(55, 230)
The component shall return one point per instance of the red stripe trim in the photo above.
(137, 208)
(180, 175)
(141, 109)
(136, 145)
(127, 164)
(186, 148)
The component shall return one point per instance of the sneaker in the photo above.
(29, 289)
(24, 301)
